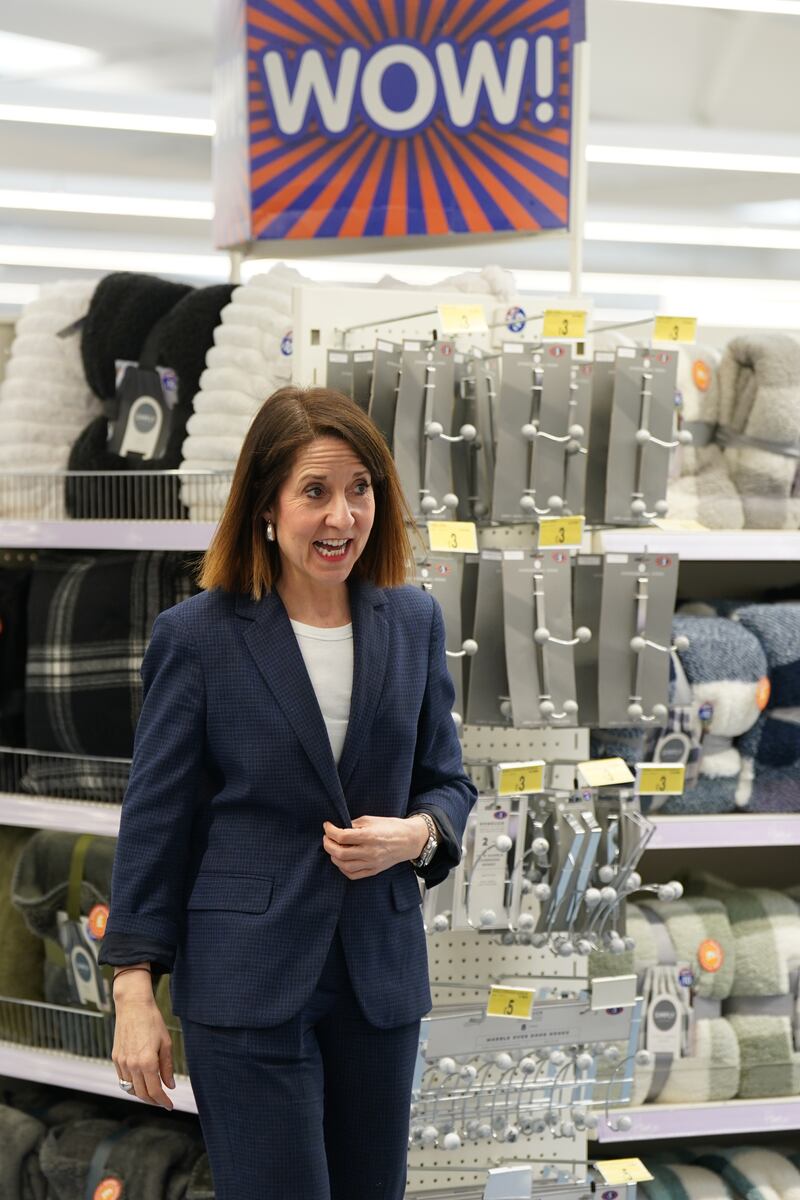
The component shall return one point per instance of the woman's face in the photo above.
(323, 514)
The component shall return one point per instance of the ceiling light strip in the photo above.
(118, 206)
(94, 119)
(703, 160)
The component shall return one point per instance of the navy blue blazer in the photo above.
(220, 868)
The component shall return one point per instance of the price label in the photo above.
(519, 778)
(619, 1171)
(660, 779)
(458, 537)
(510, 1002)
(564, 323)
(556, 532)
(462, 318)
(604, 772)
(675, 329)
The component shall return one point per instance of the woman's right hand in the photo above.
(142, 1050)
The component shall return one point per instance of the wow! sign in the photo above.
(401, 117)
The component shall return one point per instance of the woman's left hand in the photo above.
(374, 843)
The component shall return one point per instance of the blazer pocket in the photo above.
(230, 893)
(405, 891)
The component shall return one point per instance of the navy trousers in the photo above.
(314, 1109)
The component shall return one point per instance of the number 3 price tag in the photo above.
(564, 323)
(519, 778)
(457, 537)
(557, 532)
(660, 779)
(510, 1002)
(462, 318)
(675, 329)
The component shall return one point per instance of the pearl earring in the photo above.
(270, 532)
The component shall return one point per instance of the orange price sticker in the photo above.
(710, 955)
(108, 1189)
(97, 920)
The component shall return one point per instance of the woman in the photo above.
(295, 768)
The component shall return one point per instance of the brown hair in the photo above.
(239, 558)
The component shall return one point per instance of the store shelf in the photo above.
(86, 1074)
(710, 545)
(660, 1121)
(70, 816)
(725, 831)
(107, 535)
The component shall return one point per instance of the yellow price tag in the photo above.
(675, 329)
(510, 1002)
(564, 323)
(462, 318)
(604, 772)
(660, 779)
(555, 532)
(519, 778)
(459, 537)
(623, 1170)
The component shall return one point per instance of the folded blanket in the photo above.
(761, 1008)
(703, 491)
(725, 667)
(21, 1176)
(89, 622)
(181, 322)
(76, 778)
(44, 400)
(682, 1181)
(774, 741)
(672, 934)
(759, 380)
(201, 1183)
(21, 951)
(40, 890)
(14, 585)
(754, 1172)
(148, 1159)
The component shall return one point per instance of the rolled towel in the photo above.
(44, 401)
(759, 381)
(21, 1136)
(182, 331)
(267, 372)
(219, 425)
(222, 450)
(774, 741)
(754, 1172)
(147, 1158)
(703, 491)
(89, 622)
(761, 1008)
(220, 403)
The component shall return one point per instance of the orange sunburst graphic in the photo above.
(400, 118)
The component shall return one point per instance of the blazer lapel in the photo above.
(271, 641)
(370, 651)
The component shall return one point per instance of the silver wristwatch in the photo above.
(429, 849)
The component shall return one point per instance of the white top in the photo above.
(328, 655)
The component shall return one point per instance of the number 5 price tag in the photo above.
(519, 778)
(660, 779)
(510, 1002)
(557, 532)
(564, 323)
(457, 537)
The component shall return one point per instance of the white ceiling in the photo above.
(661, 75)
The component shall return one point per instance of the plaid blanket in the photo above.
(14, 584)
(89, 622)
